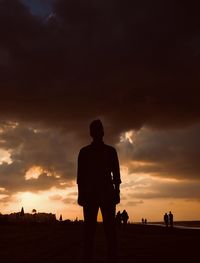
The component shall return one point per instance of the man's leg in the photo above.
(90, 218)
(108, 214)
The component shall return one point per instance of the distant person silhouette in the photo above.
(166, 219)
(125, 217)
(118, 219)
(98, 182)
(171, 219)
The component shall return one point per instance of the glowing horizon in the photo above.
(148, 190)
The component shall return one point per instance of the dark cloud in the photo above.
(129, 62)
(165, 153)
(70, 200)
(40, 8)
(4, 201)
(134, 203)
(55, 197)
(53, 152)
(174, 190)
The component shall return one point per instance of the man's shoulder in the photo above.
(85, 148)
(90, 148)
(109, 148)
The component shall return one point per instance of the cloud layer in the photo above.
(166, 153)
(132, 63)
(29, 148)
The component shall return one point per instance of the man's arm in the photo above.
(79, 167)
(116, 170)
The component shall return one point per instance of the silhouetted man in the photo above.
(118, 219)
(98, 187)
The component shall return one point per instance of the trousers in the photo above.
(90, 212)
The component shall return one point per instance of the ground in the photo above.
(63, 242)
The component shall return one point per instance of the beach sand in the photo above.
(63, 243)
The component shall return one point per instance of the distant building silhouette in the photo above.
(22, 212)
(28, 218)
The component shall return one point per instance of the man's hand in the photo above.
(81, 196)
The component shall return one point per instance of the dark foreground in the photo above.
(62, 243)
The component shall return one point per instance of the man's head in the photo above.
(96, 130)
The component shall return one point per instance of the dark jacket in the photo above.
(98, 171)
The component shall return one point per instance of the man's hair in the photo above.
(96, 128)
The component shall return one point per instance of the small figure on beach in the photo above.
(125, 217)
(145, 221)
(166, 219)
(171, 219)
(118, 219)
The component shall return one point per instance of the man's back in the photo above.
(98, 170)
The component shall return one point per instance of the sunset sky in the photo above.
(133, 64)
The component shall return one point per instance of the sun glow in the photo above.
(5, 157)
(53, 200)
(127, 136)
(35, 172)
